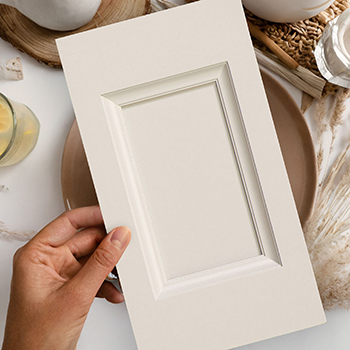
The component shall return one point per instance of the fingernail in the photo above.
(120, 236)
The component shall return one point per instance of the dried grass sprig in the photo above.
(327, 128)
(320, 117)
(323, 138)
(338, 115)
(327, 235)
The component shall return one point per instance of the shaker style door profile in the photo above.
(182, 149)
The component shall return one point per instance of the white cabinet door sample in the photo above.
(183, 150)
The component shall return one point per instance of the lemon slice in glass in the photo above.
(5, 118)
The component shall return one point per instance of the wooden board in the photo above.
(39, 42)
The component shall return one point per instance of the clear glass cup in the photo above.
(332, 52)
(19, 131)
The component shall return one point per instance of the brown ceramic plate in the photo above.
(296, 145)
(77, 186)
(293, 134)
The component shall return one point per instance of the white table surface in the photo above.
(34, 198)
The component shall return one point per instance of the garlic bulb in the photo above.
(59, 15)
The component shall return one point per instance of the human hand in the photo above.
(56, 276)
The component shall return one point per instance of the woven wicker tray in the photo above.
(40, 43)
(300, 38)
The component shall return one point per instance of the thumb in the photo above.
(102, 261)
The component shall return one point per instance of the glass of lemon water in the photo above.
(19, 131)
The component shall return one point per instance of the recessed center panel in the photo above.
(190, 180)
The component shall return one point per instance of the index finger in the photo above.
(67, 224)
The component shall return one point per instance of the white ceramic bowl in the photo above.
(57, 14)
(286, 10)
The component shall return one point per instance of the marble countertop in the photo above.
(32, 198)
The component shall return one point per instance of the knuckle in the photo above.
(64, 216)
(32, 254)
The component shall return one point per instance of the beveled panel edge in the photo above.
(113, 104)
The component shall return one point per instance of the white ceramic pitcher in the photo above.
(286, 10)
(57, 14)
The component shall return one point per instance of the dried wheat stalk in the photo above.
(327, 236)
(322, 133)
(338, 115)
(327, 233)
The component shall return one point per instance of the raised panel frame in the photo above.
(220, 75)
